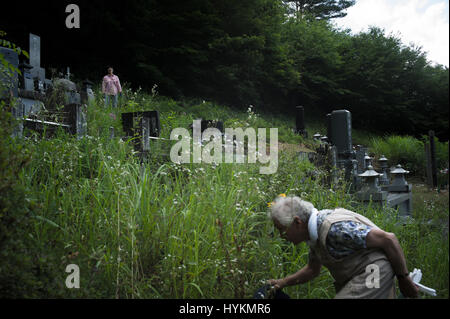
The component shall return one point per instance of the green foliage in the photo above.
(409, 152)
(313, 47)
(388, 86)
(26, 268)
(256, 52)
(5, 65)
(161, 230)
(318, 9)
(20, 272)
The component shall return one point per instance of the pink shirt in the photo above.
(111, 85)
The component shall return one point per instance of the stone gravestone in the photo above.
(26, 80)
(37, 73)
(142, 126)
(330, 138)
(430, 149)
(212, 124)
(76, 119)
(31, 94)
(340, 135)
(87, 94)
(300, 121)
(11, 80)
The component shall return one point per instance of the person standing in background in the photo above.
(111, 87)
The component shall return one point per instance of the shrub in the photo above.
(16, 263)
(404, 150)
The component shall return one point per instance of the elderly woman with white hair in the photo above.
(353, 248)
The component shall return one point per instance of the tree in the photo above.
(319, 9)
(313, 46)
(392, 87)
(250, 64)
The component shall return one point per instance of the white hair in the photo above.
(286, 208)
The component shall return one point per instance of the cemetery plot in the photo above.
(44, 105)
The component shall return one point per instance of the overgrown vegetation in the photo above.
(275, 54)
(410, 153)
(161, 230)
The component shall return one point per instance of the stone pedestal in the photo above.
(400, 192)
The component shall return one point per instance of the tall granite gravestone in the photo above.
(37, 73)
(360, 155)
(430, 152)
(32, 88)
(300, 121)
(340, 132)
(340, 135)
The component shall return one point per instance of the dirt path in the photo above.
(290, 148)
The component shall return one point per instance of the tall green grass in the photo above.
(409, 152)
(161, 230)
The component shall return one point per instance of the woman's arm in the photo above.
(378, 238)
(307, 273)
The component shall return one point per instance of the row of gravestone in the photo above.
(337, 152)
(141, 127)
(31, 88)
(369, 185)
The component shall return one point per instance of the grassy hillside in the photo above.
(162, 230)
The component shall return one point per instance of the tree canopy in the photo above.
(246, 52)
(319, 9)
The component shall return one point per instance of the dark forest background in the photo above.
(269, 53)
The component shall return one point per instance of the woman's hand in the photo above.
(407, 287)
(277, 283)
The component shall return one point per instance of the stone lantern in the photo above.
(400, 192)
(371, 177)
(317, 136)
(370, 189)
(399, 183)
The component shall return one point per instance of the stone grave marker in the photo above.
(11, 80)
(300, 127)
(142, 126)
(37, 73)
